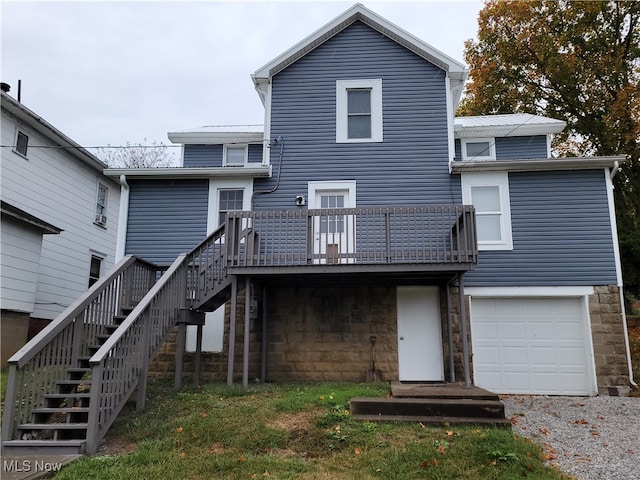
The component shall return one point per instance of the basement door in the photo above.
(419, 335)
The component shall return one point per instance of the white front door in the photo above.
(332, 236)
(419, 334)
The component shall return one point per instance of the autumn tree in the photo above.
(140, 155)
(575, 61)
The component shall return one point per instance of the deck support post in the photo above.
(263, 365)
(247, 328)
(198, 360)
(180, 346)
(452, 365)
(465, 340)
(232, 329)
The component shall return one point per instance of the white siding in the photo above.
(60, 189)
(20, 258)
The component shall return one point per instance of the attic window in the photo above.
(235, 155)
(478, 149)
(359, 111)
(22, 142)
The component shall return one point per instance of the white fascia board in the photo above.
(498, 292)
(614, 225)
(215, 138)
(536, 164)
(456, 70)
(509, 130)
(190, 172)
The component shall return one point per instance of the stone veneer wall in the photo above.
(323, 334)
(609, 348)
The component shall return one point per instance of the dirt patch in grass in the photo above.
(293, 422)
(634, 347)
(118, 445)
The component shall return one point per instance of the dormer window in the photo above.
(235, 155)
(478, 149)
(359, 111)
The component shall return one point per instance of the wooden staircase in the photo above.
(69, 383)
(433, 404)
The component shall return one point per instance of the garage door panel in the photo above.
(530, 345)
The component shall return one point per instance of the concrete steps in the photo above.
(434, 405)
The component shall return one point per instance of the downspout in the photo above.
(123, 218)
(614, 171)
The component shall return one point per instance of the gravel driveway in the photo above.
(591, 438)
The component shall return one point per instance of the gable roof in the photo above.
(19, 111)
(457, 71)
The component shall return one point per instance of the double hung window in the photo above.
(359, 111)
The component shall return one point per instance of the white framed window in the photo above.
(22, 143)
(102, 196)
(235, 155)
(229, 200)
(359, 110)
(489, 194)
(478, 149)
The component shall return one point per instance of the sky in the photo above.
(108, 73)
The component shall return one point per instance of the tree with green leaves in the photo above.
(577, 61)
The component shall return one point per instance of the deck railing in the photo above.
(36, 367)
(437, 234)
(121, 364)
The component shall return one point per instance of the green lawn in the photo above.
(296, 432)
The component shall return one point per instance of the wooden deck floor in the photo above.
(440, 390)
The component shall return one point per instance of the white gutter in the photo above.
(258, 170)
(615, 169)
(123, 218)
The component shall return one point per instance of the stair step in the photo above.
(428, 407)
(436, 420)
(42, 447)
(103, 337)
(63, 410)
(52, 426)
(111, 328)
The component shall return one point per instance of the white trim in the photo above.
(491, 154)
(123, 218)
(342, 86)
(266, 160)
(225, 150)
(492, 179)
(537, 164)
(319, 186)
(614, 225)
(591, 358)
(450, 125)
(215, 185)
(570, 291)
(191, 172)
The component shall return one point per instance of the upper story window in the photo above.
(22, 143)
(359, 110)
(102, 197)
(235, 155)
(489, 194)
(478, 148)
(229, 200)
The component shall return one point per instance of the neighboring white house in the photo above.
(59, 222)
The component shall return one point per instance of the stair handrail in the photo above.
(36, 367)
(121, 364)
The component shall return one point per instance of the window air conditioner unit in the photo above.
(101, 219)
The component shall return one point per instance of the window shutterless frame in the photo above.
(235, 155)
(22, 143)
(359, 111)
(478, 149)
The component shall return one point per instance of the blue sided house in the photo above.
(363, 222)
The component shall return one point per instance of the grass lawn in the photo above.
(295, 432)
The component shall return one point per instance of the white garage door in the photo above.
(531, 346)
